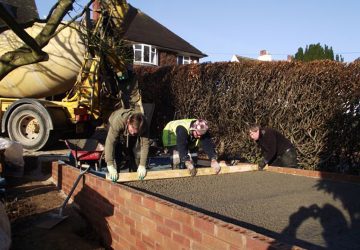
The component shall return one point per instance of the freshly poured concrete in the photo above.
(311, 213)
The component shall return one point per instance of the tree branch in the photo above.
(19, 31)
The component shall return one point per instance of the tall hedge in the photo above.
(315, 105)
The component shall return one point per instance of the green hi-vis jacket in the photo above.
(169, 132)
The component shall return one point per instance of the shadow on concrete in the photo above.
(279, 237)
(339, 230)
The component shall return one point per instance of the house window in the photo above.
(144, 53)
(184, 60)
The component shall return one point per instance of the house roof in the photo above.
(23, 10)
(144, 29)
(241, 58)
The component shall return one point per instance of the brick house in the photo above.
(153, 43)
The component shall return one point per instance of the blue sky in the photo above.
(244, 27)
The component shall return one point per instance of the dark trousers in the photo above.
(127, 155)
(287, 159)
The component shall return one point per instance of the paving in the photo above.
(307, 212)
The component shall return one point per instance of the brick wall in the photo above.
(129, 219)
(316, 174)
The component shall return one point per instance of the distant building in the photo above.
(237, 58)
(264, 56)
(154, 44)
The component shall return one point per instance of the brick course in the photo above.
(129, 219)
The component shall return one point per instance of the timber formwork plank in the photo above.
(177, 173)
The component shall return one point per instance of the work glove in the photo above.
(190, 166)
(215, 165)
(261, 165)
(141, 171)
(113, 174)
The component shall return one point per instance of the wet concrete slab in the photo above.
(308, 212)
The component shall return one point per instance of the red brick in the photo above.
(171, 245)
(129, 221)
(181, 217)
(164, 210)
(137, 208)
(148, 241)
(119, 200)
(125, 193)
(135, 233)
(164, 230)
(139, 245)
(315, 174)
(136, 198)
(198, 246)
(156, 217)
(146, 226)
(192, 233)
(255, 242)
(231, 236)
(172, 224)
(236, 248)
(120, 245)
(214, 243)
(203, 225)
(148, 203)
(181, 240)
(136, 217)
(159, 246)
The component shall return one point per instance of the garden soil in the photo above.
(29, 201)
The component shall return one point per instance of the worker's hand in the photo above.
(215, 165)
(113, 174)
(141, 171)
(261, 165)
(190, 166)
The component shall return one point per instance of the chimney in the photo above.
(263, 52)
(96, 9)
(264, 56)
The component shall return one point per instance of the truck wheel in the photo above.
(28, 126)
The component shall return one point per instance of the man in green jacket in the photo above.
(180, 136)
(131, 128)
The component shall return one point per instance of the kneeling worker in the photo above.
(130, 127)
(180, 136)
(275, 148)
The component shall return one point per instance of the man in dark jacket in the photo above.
(275, 148)
(131, 128)
(180, 136)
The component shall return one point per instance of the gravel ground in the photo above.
(312, 213)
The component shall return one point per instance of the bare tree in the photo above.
(31, 52)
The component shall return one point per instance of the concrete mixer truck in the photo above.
(71, 92)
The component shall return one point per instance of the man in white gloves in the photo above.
(130, 129)
(180, 136)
